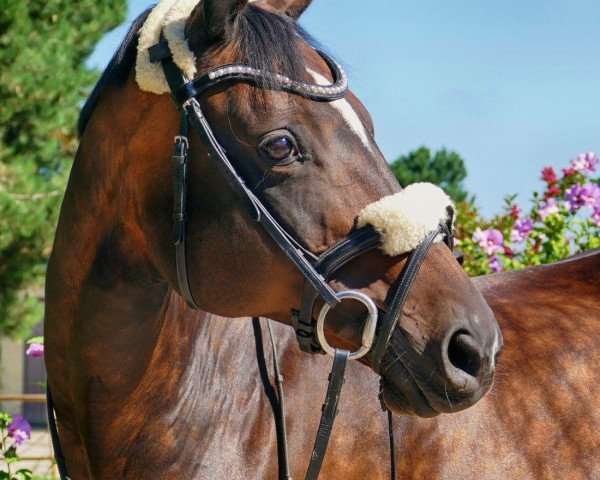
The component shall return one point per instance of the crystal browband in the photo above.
(245, 73)
(339, 87)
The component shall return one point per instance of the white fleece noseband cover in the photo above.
(405, 218)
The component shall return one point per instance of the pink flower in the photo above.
(549, 175)
(579, 196)
(585, 162)
(515, 211)
(35, 350)
(19, 429)
(596, 216)
(569, 171)
(553, 191)
(491, 240)
(495, 264)
(548, 209)
(522, 229)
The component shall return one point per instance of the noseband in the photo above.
(317, 270)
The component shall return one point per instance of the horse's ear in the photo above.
(210, 18)
(291, 8)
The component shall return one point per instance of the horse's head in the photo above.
(316, 166)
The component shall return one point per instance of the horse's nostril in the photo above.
(464, 353)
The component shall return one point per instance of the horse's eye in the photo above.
(279, 149)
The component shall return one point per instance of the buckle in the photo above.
(181, 138)
(191, 101)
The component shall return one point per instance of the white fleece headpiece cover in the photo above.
(405, 218)
(169, 16)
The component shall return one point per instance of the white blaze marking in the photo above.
(343, 106)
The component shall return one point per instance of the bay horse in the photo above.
(145, 386)
(541, 420)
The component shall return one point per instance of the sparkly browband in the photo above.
(265, 79)
(339, 87)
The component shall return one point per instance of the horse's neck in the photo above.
(161, 391)
(200, 403)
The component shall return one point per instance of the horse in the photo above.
(145, 386)
(541, 419)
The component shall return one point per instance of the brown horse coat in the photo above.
(540, 421)
(204, 413)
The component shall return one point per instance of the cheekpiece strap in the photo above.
(179, 157)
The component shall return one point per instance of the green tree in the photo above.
(43, 80)
(444, 168)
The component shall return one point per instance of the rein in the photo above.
(315, 269)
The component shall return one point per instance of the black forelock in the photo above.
(269, 41)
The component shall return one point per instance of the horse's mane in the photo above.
(262, 39)
(117, 70)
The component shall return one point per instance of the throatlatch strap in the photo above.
(330, 409)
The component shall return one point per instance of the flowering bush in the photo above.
(563, 220)
(14, 430)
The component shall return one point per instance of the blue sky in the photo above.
(512, 86)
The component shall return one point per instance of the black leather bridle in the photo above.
(315, 269)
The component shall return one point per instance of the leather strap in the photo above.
(301, 258)
(330, 409)
(237, 72)
(348, 248)
(390, 418)
(281, 428)
(59, 457)
(179, 210)
(303, 322)
(275, 400)
(403, 285)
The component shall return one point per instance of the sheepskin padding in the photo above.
(405, 218)
(170, 17)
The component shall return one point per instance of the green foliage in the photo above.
(445, 169)
(43, 80)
